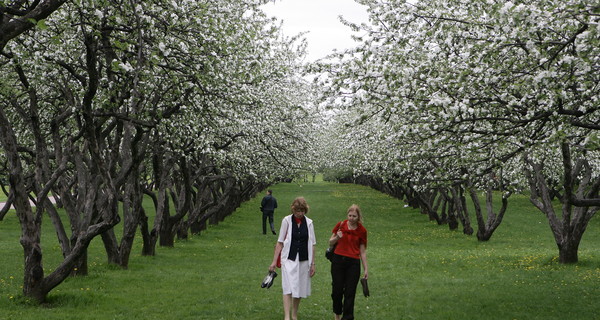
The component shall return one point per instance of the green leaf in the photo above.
(42, 25)
(115, 66)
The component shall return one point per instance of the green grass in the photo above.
(418, 270)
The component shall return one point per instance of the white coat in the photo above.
(295, 274)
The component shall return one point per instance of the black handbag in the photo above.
(330, 250)
(329, 253)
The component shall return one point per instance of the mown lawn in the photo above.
(418, 270)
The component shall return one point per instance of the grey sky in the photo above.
(320, 19)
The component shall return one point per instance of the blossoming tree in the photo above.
(481, 96)
(195, 103)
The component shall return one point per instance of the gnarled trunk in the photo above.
(461, 209)
(569, 230)
(486, 227)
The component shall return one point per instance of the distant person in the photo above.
(295, 248)
(268, 206)
(350, 240)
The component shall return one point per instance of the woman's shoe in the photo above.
(268, 281)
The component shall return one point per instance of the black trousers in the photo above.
(345, 273)
(267, 214)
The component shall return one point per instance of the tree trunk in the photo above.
(569, 231)
(149, 237)
(30, 224)
(59, 228)
(148, 246)
(166, 239)
(119, 252)
(132, 213)
(202, 203)
(452, 220)
(426, 203)
(32, 252)
(445, 205)
(80, 266)
(461, 209)
(568, 251)
(111, 246)
(7, 205)
(486, 228)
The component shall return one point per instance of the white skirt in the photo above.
(295, 277)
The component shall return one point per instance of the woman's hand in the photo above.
(272, 267)
(334, 238)
(312, 270)
(363, 259)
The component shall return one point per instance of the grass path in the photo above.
(418, 270)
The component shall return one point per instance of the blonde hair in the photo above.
(356, 209)
(299, 204)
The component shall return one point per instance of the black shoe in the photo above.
(268, 281)
(275, 233)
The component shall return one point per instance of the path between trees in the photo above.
(2, 204)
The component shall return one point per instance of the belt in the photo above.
(344, 258)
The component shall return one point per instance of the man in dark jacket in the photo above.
(267, 206)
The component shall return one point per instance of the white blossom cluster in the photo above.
(447, 91)
(206, 79)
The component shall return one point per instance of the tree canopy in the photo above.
(478, 95)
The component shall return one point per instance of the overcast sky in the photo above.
(320, 19)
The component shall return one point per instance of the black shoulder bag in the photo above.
(331, 249)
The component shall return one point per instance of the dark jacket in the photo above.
(268, 204)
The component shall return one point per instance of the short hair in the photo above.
(270, 191)
(299, 204)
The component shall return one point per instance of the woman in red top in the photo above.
(350, 236)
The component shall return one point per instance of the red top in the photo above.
(349, 244)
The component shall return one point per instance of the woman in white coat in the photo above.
(296, 245)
